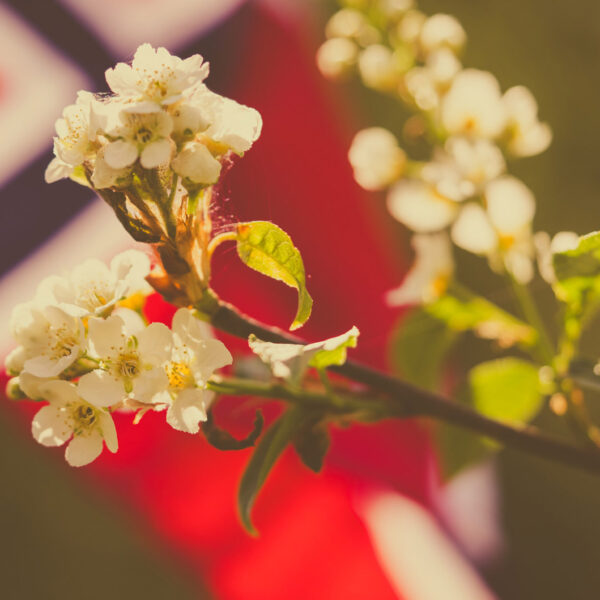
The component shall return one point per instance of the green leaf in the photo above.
(312, 444)
(464, 311)
(268, 450)
(290, 361)
(506, 389)
(583, 261)
(418, 347)
(266, 248)
(223, 440)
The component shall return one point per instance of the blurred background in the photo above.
(158, 519)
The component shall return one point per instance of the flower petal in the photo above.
(101, 389)
(83, 449)
(187, 410)
(156, 154)
(120, 154)
(49, 427)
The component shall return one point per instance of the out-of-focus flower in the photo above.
(526, 135)
(155, 78)
(376, 158)
(69, 417)
(442, 31)
(379, 68)
(420, 207)
(473, 106)
(430, 274)
(337, 57)
(502, 231)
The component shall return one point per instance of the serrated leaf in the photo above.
(469, 312)
(290, 361)
(266, 248)
(223, 440)
(268, 450)
(418, 347)
(507, 389)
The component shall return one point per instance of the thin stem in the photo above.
(532, 315)
(408, 400)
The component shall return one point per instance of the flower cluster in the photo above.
(464, 188)
(161, 116)
(84, 346)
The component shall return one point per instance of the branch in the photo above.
(416, 402)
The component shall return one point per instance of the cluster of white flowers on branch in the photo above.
(161, 115)
(84, 346)
(473, 126)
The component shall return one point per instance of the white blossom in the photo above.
(195, 162)
(52, 339)
(430, 274)
(442, 31)
(140, 135)
(420, 207)
(76, 130)
(473, 106)
(69, 417)
(131, 360)
(502, 231)
(378, 67)
(376, 158)
(195, 356)
(155, 78)
(337, 57)
(527, 136)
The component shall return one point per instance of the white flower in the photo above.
(503, 231)
(527, 136)
(52, 339)
(194, 358)
(155, 78)
(422, 86)
(420, 207)
(346, 23)
(131, 357)
(442, 31)
(195, 162)
(473, 106)
(105, 176)
(96, 287)
(140, 135)
(378, 67)
(430, 274)
(232, 124)
(376, 158)
(443, 66)
(76, 130)
(464, 167)
(337, 57)
(68, 417)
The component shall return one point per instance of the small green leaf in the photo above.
(312, 444)
(418, 347)
(583, 261)
(465, 311)
(266, 248)
(268, 450)
(223, 440)
(507, 389)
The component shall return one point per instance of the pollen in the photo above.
(180, 375)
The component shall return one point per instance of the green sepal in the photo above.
(266, 248)
(223, 440)
(78, 175)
